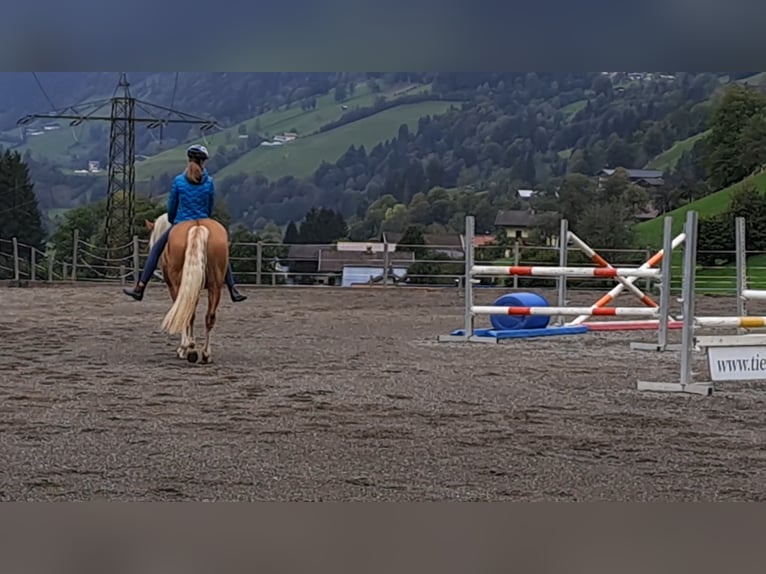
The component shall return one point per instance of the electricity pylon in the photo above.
(126, 111)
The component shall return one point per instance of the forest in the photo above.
(547, 132)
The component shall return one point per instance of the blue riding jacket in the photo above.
(188, 201)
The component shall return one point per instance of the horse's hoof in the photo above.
(206, 359)
(191, 356)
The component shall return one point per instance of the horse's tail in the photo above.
(192, 281)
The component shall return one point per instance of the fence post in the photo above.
(562, 281)
(16, 273)
(516, 262)
(76, 240)
(32, 263)
(386, 263)
(136, 259)
(63, 271)
(50, 267)
(122, 274)
(258, 262)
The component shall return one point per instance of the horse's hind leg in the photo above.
(191, 352)
(213, 299)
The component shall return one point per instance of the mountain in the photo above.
(383, 149)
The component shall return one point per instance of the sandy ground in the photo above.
(330, 394)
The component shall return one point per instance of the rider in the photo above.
(191, 197)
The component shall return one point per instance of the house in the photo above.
(450, 244)
(357, 268)
(525, 194)
(642, 177)
(518, 223)
(364, 246)
(311, 263)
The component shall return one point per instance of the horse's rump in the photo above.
(217, 246)
(196, 256)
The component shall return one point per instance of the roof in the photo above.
(652, 181)
(481, 240)
(430, 239)
(520, 217)
(636, 173)
(525, 193)
(332, 261)
(304, 251)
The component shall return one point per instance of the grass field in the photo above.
(56, 145)
(668, 159)
(650, 232)
(273, 123)
(303, 156)
(721, 279)
(571, 109)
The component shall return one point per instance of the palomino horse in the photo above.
(195, 257)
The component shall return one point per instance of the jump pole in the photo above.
(561, 272)
(686, 383)
(651, 262)
(626, 283)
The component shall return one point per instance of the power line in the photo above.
(40, 85)
(175, 86)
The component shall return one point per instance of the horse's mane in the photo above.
(161, 225)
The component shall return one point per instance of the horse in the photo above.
(196, 257)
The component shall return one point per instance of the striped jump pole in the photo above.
(563, 271)
(739, 322)
(651, 262)
(550, 311)
(601, 262)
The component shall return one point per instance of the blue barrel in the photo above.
(514, 322)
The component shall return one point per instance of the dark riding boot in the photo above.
(236, 296)
(137, 292)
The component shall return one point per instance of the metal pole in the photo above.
(563, 244)
(470, 228)
(386, 263)
(50, 267)
(258, 262)
(741, 255)
(690, 275)
(648, 284)
(32, 263)
(75, 241)
(516, 261)
(16, 272)
(667, 250)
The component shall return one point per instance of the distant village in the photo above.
(350, 263)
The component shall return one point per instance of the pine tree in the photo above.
(291, 233)
(20, 215)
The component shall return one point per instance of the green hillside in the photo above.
(303, 122)
(668, 159)
(56, 145)
(650, 232)
(302, 157)
(571, 109)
